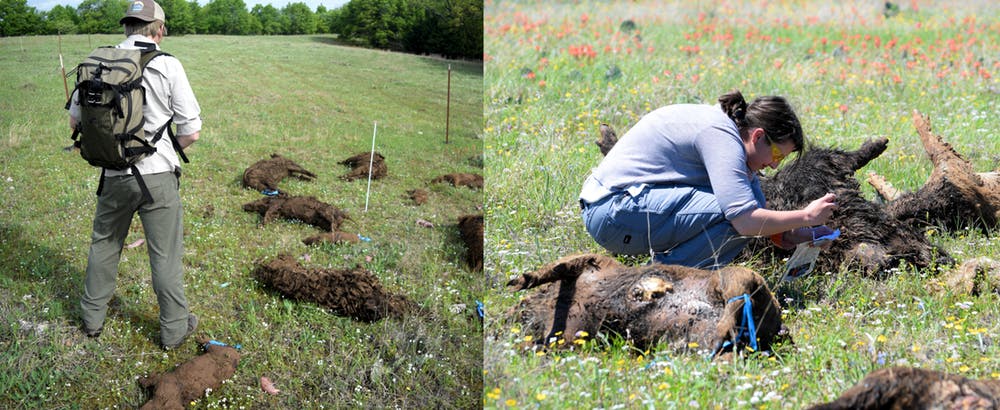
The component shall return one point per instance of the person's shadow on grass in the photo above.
(44, 285)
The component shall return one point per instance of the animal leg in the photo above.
(301, 173)
(608, 139)
(569, 267)
(883, 188)
(270, 215)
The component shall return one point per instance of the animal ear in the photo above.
(870, 150)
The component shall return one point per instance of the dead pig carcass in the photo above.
(354, 293)
(470, 228)
(954, 196)
(913, 388)
(679, 306)
(472, 181)
(307, 209)
(872, 239)
(177, 388)
(267, 173)
(364, 164)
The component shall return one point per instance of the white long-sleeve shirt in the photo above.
(168, 96)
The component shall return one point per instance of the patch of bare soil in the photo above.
(354, 293)
(267, 173)
(188, 382)
(360, 165)
(307, 209)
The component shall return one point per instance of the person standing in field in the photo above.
(168, 97)
(683, 183)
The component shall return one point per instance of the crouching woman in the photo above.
(683, 183)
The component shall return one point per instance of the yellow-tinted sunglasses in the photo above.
(776, 155)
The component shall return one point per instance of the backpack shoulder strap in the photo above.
(149, 52)
(148, 56)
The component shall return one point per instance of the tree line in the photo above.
(453, 28)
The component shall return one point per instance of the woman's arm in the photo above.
(766, 222)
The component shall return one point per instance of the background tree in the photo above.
(17, 19)
(378, 23)
(321, 25)
(195, 10)
(301, 19)
(180, 18)
(227, 17)
(271, 20)
(462, 26)
(61, 20)
(101, 16)
(452, 28)
(334, 21)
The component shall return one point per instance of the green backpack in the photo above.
(111, 96)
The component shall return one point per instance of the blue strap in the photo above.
(480, 309)
(218, 343)
(748, 329)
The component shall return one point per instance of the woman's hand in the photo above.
(818, 212)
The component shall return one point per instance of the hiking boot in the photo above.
(192, 326)
(92, 333)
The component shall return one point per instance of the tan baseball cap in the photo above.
(145, 10)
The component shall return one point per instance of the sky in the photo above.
(46, 5)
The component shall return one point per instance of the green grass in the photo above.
(851, 74)
(313, 101)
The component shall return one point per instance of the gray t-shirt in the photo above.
(684, 144)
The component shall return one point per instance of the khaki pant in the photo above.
(163, 225)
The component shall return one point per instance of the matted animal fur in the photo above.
(681, 307)
(267, 173)
(954, 196)
(179, 387)
(871, 239)
(361, 163)
(912, 388)
(470, 227)
(354, 293)
(473, 181)
(307, 209)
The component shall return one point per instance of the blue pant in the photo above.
(682, 225)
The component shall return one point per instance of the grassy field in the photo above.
(308, 99)
(555, 71)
